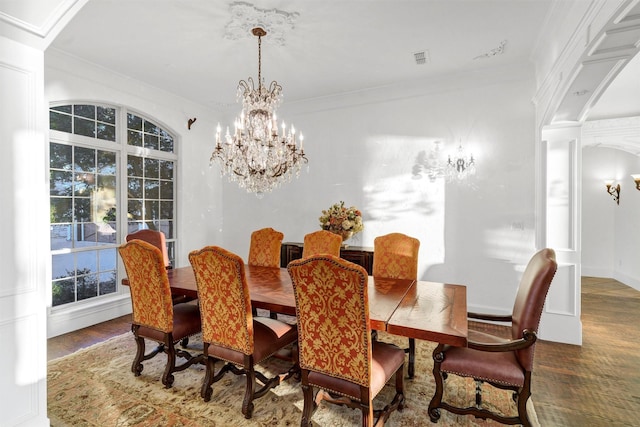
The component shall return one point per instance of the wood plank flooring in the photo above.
(596, 384)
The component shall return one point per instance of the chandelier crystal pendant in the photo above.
(256, 156)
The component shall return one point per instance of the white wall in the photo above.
(610, 232)
(362, 150)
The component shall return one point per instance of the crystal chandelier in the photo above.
(255, 155)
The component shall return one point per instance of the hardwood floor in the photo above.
(596, 384)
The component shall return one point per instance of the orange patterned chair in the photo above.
(504, 363)
(265, 246)
(321, 242)
(395, 256)
(154, 315)
(336, 351)
(158, 239)
(230, 333)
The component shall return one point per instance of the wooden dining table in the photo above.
(416, 309)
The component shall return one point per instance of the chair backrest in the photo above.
(321, 242)
(332, 310)
(529, 302)
(156, 238)
(265, 246)
(149, 285)
(225, 304)
(395, 256)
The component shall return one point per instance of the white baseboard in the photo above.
(68, 320)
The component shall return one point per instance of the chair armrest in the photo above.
(527, 340)
(492, 317)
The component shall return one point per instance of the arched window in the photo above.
(111, 172)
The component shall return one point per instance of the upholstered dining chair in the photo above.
(505, 363)
(158, 239)
(395, 256)
(264, 249)
(321, 242)
(230, 333)
(336, 352)
(155, 317)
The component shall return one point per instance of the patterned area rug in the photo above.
(95, 387)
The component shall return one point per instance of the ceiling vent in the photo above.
(421, 57)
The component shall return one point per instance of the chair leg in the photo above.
(309, 405)
(247, 403)
(436, 400)
(207, 390)
(523, 397)
(367, 415)
(136, 366)
(167, 377)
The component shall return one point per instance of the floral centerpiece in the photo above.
(341, 220)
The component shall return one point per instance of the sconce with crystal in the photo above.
(636, 178)
(460, 165)
(614, 191)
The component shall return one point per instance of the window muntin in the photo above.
(84, 195)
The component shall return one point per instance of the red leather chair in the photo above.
(503, 363)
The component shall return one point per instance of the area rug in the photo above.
(95, 387)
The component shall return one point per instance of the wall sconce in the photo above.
(636, 178)
(614, 191)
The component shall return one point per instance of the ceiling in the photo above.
(200, 49)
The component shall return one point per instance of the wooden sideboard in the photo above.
(356, 254)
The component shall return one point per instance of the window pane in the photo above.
(150, 127)
(107, 259)
(60, 236)
(106, 162)
(151, 168)
(107, 283)
(166, 142)
(63, 266)
(82, 209)
(166, 210)
(135, 209)
(84, 127)
(134, 138)
(87, 262)
(134, 122)
(60, 210)
(151, 141)
(84, 160)
(166, 169)
(87, 286)
(61, 122)
(151, 189)
(63, 108)
(84, 184)
(60, 183)
(63, 291)
(107, 115)
(151, 210)
(60, 156)
(166, 189)
(106, 132)
(88, 111)
(134, 166)
(135, 188)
